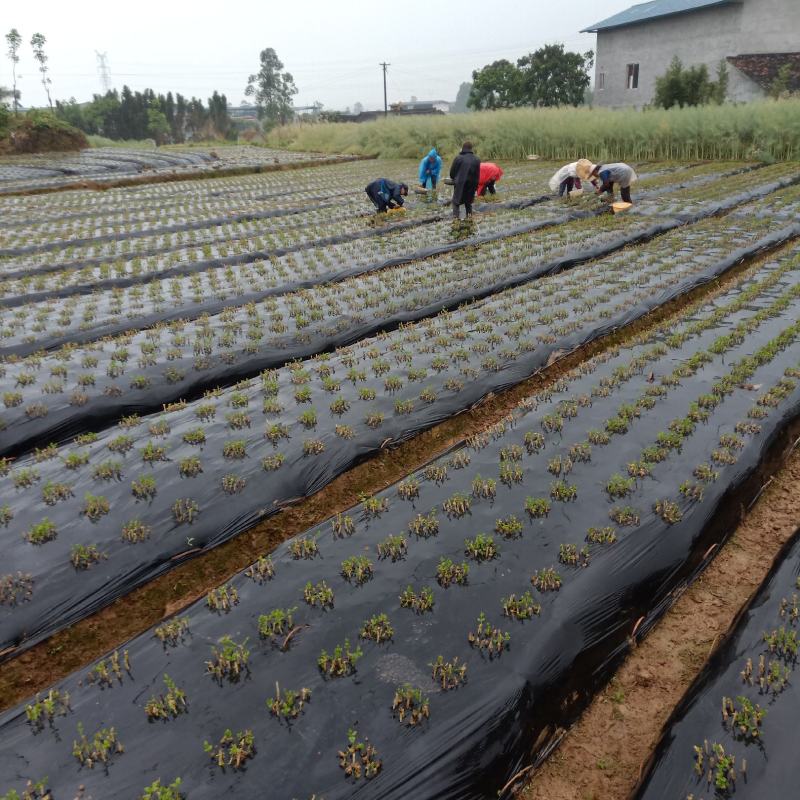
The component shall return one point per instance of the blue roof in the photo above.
(644, 12)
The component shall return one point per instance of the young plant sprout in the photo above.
(418, 602)
(288, 704)
(782, 642)
(481, 548)
(509, 527)
(223, 598)
(605, 535)
(278, 623)
(229, 660)
(378, 628)
(357, 569)
(624, 515)
(319, 594)
(520, 607)
(304, 547)
(102, 748)
(743, 716)
(570, 555)
(373, 507)
(393, 547)
(435, 473)
(410, 702)
(342, 525)
(42, 532)
(669, 511)
(15, 589)
(537, 507)
(341, 663)
(563, 491)
(718, 766)
(487, 638)
(232, 750)
(33, 791)
(408, 489)
(448, 572)
(101, 672)
(84, 556)
(546, 580)
(45, 709)
(166, 706)
(359, 758)
(424, 526)
(450, 674)
(159, 791)
(173, 632)
(185, 510)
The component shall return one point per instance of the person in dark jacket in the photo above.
(386, 194)
(465, 174)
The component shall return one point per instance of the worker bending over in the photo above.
(488, 176)
(609, 175)
(429, 169)
(386, 194)
(465, 174)
(566, 179)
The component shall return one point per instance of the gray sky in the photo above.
(332, 47)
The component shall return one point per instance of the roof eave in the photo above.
(597, 28)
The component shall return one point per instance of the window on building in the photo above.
(633, 76)
(601, 80)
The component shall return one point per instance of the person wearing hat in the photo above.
(488, 176)
(386, 194)
(429, 170)
(465, 174)
(566, 180)
(608, 175)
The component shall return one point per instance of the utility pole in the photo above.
(102, 68)
(385, 105)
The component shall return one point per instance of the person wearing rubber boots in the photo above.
(465, 174)
(386, 195)
(488, 176)
(608, 176)
(429, 169)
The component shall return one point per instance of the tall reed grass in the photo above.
(765, 130)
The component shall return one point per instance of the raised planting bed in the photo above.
(289, 432)
(48, 398)
(434, 637)
(727, 737)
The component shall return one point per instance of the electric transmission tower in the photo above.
(102, 68)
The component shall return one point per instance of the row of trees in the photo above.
(550, 76)
(13, 45)
(147, 115)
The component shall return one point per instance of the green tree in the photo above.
(37, 43)
(494, 86)
(691, 86)
(157, 125)
(272, 90)
(460, 105)
(552, 76)
(14, 40)
(781, 85)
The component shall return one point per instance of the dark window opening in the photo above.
(633, 76)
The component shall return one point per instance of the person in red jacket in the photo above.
(490, 174)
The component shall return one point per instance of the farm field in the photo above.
(49, 171)
(183, 360)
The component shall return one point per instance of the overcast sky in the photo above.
(332, 47)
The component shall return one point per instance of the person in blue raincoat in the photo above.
(429, 169)
(386, 194)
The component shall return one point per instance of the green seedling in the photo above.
(273, 462)
(341, 663)
(223, 598)
(45, 709)
(481, 548)
(619, 487)
(185, 510)
(605, 535)
(743, 716)
(624, 515)
(378, 628)
(359, 758)
(487, 638)
(342, 525)
(102, 748)
(288, 704)
(669, 511)
(262, 571)
(537, 507)
(563, 492)
(158, 791)
(418, 602)
(393, 547)
(424, 526)
(509, 527)
(166, 706)
(546, 580)
(304, 547)
(53, 493)
(782, 642)
(436, 473)
(570, 555)
(319, 594)
(520, 607)
(84, 556)
(373, 507)
(229, 660)
(173, 632)
(408, 489)
(409, 702)
(357, 569)
(534, 442)
(233, 750)
(190, 467)
(279, 622)
(135, 531)
(448, 572)
(42, 532)
(450, 674)
(15, 589)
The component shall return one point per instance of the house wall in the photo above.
(706, 37)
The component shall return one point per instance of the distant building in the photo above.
(755, 38)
